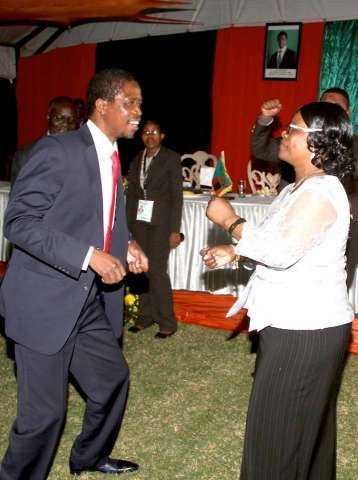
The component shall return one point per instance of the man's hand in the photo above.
(271, 108)
(218, 256)
(174, 240)
(136, 258)
(108, 267)
(220, 211)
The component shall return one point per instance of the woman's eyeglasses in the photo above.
(150, 132)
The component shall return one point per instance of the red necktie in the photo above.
(116, 171)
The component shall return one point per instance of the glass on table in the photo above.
(241, 188)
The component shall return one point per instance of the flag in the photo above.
(222, 182)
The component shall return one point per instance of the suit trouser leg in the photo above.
(290, 430)
(141, 234)
(101, 371)
(157, 303)
(42, 398)
(159, 282)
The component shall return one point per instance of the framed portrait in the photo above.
(282, 49)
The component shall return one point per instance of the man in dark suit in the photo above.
(61, 118)
(284, 57)
(155, 183)
(62, 292)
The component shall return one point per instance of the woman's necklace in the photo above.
(300, 182)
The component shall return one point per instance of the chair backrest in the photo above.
(198, 159)
(263, 181)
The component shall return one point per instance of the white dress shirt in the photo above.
(300, 277)
(104, 148)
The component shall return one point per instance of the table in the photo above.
(4, 198)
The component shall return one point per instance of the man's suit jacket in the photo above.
(288, 60)
(264, 147)
(163, 184)
(53, 217)
(19, 160)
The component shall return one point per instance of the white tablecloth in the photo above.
(4, 198)
(186, 268)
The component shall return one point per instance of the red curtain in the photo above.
(239, 88)
(64, 71)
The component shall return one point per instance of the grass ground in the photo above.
(186, 412)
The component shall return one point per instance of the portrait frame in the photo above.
(282, 51)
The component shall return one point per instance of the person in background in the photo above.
(61, 118)
(154, 209)
(284, 57)
(297, 301)
(62, 294)
(81, 113)
(266, 148)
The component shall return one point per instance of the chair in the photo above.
(263, 181)
(196, 160)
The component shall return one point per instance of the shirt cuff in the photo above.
(87, 259)
(264, 121)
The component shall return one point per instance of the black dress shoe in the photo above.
(135, 329)
(163, 335)
(108, 465)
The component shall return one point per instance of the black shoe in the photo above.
(108, 465)
(163, 335)
(135, 329)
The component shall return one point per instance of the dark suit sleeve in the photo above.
(33, 195)
(176, 182)
(263, 146)
(18, 162)
(272, 62)
(132, 192)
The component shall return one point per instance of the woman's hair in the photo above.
(332, 147)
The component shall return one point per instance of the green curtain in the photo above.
(339, 67)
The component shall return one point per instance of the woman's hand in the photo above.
(220, 212)
(218, 256)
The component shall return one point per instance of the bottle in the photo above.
(241, 188)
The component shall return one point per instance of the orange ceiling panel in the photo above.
(71, 12)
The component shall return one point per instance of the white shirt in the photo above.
(104, 148)
(300, 278)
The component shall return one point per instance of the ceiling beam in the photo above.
(23, 41)
(50, 40)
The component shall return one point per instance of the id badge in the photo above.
(145, 210)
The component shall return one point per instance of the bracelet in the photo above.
(237, 222)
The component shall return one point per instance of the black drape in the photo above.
(7, 126)
(175, 73)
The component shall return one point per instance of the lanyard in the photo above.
(144, 170)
